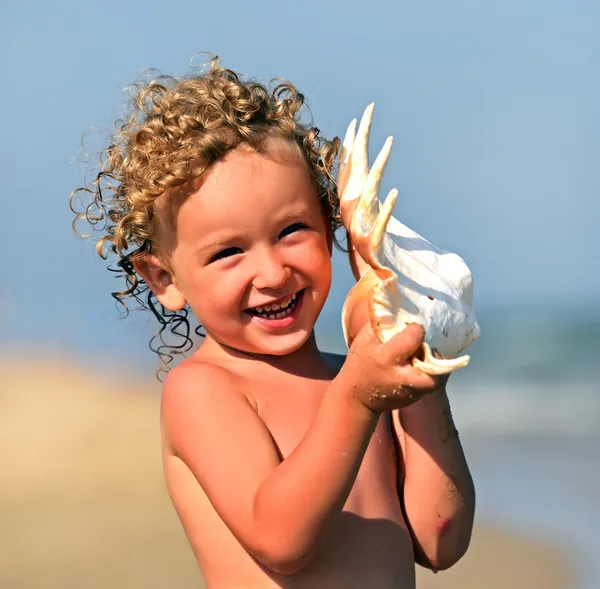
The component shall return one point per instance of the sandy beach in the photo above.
(83, 504)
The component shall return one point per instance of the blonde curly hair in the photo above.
(174, 131)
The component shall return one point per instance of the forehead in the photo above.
(245, 187)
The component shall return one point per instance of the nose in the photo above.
(270, 270)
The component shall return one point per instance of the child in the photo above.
(283, 469)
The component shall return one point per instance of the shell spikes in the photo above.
(402, 278)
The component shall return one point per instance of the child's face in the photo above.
(254, 235)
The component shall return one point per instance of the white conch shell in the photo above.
(404, 277)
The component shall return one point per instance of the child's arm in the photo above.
(280, 510)
(277, 510)
(437, 489)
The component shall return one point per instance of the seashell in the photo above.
(403, 278)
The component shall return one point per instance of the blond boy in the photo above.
(283, 469)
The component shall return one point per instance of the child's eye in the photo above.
(292, 228)
(230, 251)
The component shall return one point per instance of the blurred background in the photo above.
(495, 113)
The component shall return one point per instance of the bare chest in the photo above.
(289, 413)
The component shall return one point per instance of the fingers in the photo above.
(389, 367)
(405, 344)
(365, 340)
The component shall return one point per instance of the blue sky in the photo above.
(494, 107)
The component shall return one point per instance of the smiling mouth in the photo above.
(277, 310)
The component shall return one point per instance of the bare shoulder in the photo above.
(194, 378)
(192, 389)
(209, 425)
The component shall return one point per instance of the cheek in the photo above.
(317, 261)
(219, 292)
(324, 266)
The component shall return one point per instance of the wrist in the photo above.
(364, 412)
(349, 386)
(431, 402)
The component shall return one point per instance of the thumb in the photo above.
(404, 344)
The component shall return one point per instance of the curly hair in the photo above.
(174, 130)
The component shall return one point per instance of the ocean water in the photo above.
(542, 486)
(528, 411)
(533, 371)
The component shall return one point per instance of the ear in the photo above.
(160, 280)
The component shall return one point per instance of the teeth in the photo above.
(276, 306)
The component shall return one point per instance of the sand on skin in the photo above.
(82, 502)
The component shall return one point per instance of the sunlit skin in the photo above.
(283, 471)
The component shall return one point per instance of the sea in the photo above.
(527, 408)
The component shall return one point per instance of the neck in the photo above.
(304, 359)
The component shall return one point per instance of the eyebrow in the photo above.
(293, 215)
(214, 244)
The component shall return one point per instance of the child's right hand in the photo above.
(381, 376)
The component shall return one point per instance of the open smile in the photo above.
(279, 314)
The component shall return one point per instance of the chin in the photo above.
(282, 350)
(279, 346)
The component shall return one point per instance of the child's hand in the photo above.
(382, 376)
